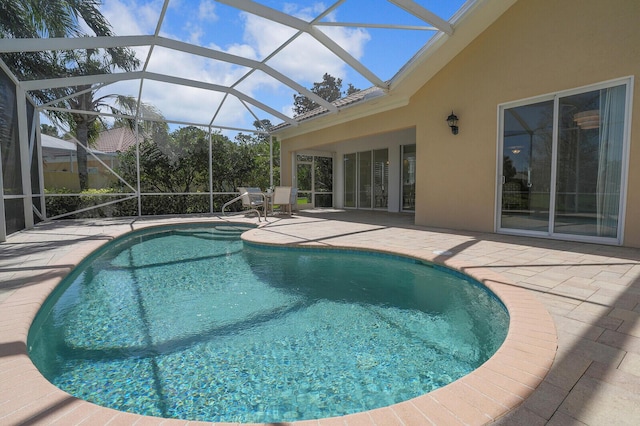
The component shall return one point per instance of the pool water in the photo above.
(192, 323)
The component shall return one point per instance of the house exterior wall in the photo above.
(62, 172)
(536, 47)
(390, 140)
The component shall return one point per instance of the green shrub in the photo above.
(57, 205)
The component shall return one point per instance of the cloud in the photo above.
(306, 13)
(129, 17)
(305, 60)
(207, 11)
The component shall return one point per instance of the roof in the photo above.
(55, 147)
(118, 139)
(362, 95)
(228, 84)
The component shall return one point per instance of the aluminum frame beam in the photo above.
(34, 45)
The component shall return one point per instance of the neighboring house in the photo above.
(548, 142)
(60, 165)
(115, 140)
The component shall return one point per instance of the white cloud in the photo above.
(305, 60)
(131, 17)
(195, 33)
(207, 11)
(306, 13)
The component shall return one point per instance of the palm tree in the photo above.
(87, 62)
(50, 18)
(45, 18)
(61, 18)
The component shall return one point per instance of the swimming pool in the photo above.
(233, 319)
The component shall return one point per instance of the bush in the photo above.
(60, 205)
(151, 204)
(57, 205)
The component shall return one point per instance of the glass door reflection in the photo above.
(526, 166)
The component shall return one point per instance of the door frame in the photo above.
(555, 96)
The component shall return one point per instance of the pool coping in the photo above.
(498, 386)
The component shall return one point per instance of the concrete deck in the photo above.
(582, 299)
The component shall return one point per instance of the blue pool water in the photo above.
(192, 323)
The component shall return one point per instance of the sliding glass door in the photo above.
(408, 200)
(380, 178)
(563, 166)
(366, 179)
(350, 180)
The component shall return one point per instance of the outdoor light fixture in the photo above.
(453, 123)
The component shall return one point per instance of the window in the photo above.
(563, 168)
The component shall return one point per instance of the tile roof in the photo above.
(371, 92)
(118, 139)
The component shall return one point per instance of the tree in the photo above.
(47, 18)
(258, 147)
(329, 89)
(48, 129)
(180, 164)
(60, 18)
(177, 164)
(88, 62)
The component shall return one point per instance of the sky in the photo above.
(215, 25)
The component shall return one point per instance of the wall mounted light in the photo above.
(452, 119)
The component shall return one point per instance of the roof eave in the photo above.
(471, 20)
(345, 114)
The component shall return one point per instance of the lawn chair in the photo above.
(253, 199)
(282, 198)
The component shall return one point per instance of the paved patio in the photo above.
(591, 292)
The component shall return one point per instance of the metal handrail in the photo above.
(239, 197)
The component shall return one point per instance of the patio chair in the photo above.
(282, 198)
(252, 198)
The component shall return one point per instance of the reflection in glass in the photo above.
(304, 158)
(380, 177)
(364, 176)
(591, 130)
(350, 180)
(408, 177)
(588, 169)
(323, 174)
(526, 156)
(323, 200)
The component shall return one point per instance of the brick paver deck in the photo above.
(572, 355)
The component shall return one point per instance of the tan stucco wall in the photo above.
(535, 48)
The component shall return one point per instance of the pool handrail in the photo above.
(246, 194)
